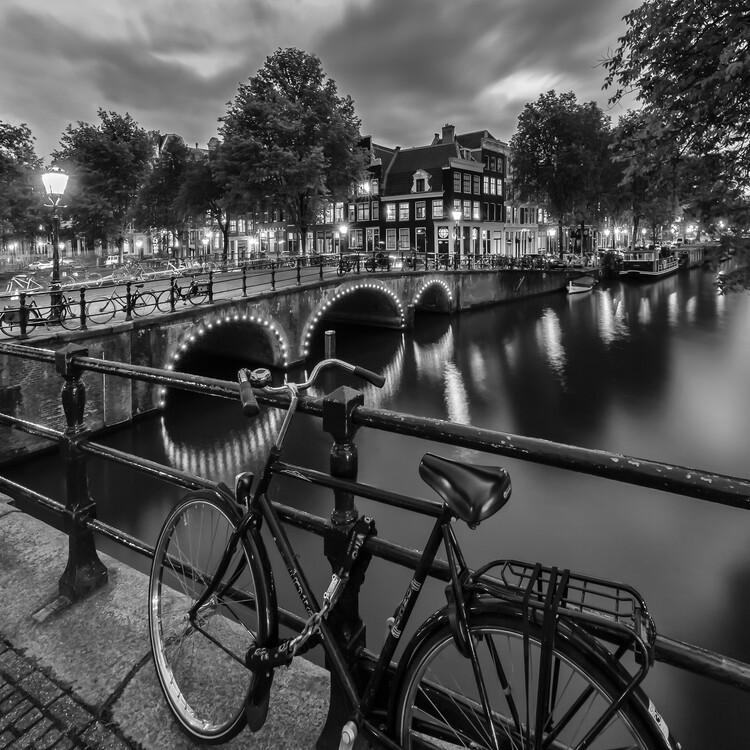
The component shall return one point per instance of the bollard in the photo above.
(84, 571)
(330, 344)
(344, 619)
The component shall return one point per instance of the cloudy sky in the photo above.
(410, 65)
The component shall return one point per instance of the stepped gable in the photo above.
(431, 159)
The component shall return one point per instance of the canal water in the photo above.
(657, 370)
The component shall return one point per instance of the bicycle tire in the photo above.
(10, 325)
(164, 301)
(101, 310)
(93, 280)
(438, 701)
(144, 304)
(204, 677)
(70, 317)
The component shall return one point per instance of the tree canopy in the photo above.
(107, 163)
(558, 153)
(290, 141)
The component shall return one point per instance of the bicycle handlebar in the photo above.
(250, 405)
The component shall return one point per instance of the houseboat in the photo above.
(692, 256)
(650, 263)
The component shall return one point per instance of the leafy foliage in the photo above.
(107, 163)
(289, 140)
(559, 152)
(21, 193)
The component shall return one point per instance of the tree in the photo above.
(107, 163)
(558, 154)
(157, 206)
(204, 190)
(21, 196)
(290, 141)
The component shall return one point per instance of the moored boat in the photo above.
(580, 285)
(647, 263)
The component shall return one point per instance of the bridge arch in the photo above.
(224, 332)
(392, 314)
(434, 295)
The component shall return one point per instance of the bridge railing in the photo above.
(76, 444)
(147, 292)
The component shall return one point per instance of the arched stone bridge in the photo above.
(274, 328)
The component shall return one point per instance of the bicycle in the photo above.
(196, 293)
(21, 283)
(345, 265)
(11, 317)
(103, 309)
(528, 657)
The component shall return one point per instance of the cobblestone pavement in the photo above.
(38, 712)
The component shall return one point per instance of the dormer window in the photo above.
(421, 182)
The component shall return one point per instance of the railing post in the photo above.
(244, 280)
(128, 300)
(320, 259)
(344, 619)
(273, 275)
(298, 263)
(210, 286)
(172, 284)
(83, 316)
(23, 315)
(84, 571)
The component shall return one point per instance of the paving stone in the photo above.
(102, 738)
(28, 720)
(14, 666)
(9, 720)
(42, 690)
(71, 714)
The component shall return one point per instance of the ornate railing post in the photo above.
(82, 317)
(211, 286)
(129, 300)
(84, 571)
(23, 316)
(344, 619)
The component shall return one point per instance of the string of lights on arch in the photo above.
(204, 328)
(430, 283)
(343, 292)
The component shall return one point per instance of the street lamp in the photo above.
(550, 240)
(606, 237)
(456, 221)
(55, 181)
(139, 248)
(343, 229)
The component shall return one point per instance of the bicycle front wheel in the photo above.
(101, 310)
(145, 304)
(200, 660)
(441, 706)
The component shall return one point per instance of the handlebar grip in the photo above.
(249, 404)
(370, 376)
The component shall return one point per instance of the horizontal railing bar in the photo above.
(33, 497)
(30, 427)
(418, 505)
(152, 468)
(120, 537)
(717, 488)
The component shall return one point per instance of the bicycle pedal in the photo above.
(348, 736)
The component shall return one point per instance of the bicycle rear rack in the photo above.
(609, 610)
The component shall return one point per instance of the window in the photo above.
(486, 185)
(404, 241)
(437, 209)
(467, 183)
(390, 239)
(350, 211)
(240, 226)
(419, 184)
(466, 209)
(456, 205)
(232, 226)
(363, 212)
(373, 237)
(390, 212)
(493, 186)
(475, 211)
(420, 210)
(477, 184)
(375, 210)
(339, 212)
(403, 212)
(456, 182)
(355, 238)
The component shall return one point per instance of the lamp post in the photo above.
(606, 238)
(456, 226)
(55, 181)
(343, 229)
(139, 248)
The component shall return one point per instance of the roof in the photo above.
(431, 159)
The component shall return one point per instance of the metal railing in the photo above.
(342, 413)
(150, 291)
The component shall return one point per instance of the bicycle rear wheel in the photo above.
(101, 310)
(145, 304)
(440, 705)
(200, 661)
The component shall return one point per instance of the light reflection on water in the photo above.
(657, 370)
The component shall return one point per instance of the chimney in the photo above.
(449, 133)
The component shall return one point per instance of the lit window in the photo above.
(375, 210)
(476, 214)
(466, 209)
(390, 212)
(467, 183)
(456, 182)
(390, 239)
(403, 212)
(437, 209)
(420, 210)
(404, 241)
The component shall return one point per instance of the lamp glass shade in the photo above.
(456, 215)
(343, 229)
(55, 181)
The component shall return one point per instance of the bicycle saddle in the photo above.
(472, 492)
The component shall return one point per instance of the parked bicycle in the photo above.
(345, 264)
(21, 282)
(196, 293)
(521, 656)
(142, 302)
(11, 317)
(380, 260)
